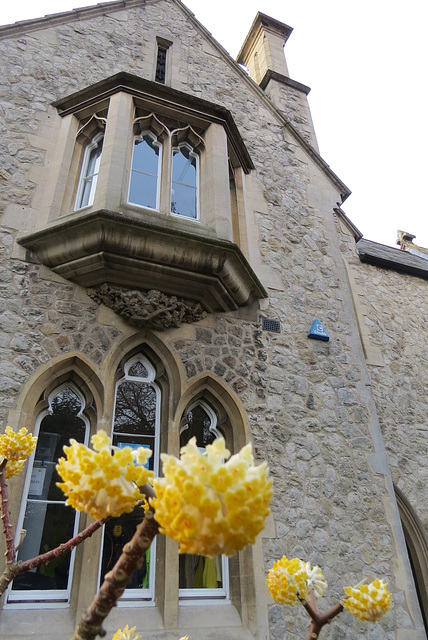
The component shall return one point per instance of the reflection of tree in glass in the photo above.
(63, 420)
(138, 370)
(66, 405)
(135, 408)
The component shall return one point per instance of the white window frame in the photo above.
(206, 596)
(41, 598)
(156, 142)
(195, 155)
(84, 177)
(143, 596)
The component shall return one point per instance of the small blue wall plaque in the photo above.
(317, 331)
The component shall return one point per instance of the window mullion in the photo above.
(166, 177)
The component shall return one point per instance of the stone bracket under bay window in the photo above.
(120, 250)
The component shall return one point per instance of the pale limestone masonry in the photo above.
(339, 422)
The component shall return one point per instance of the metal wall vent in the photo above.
(271, 325)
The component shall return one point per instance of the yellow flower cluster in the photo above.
(126, 634)
(289, 580)
(103, 482)
(212, 507)
(15, 448)
(368, 601)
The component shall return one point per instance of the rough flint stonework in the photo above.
(336, 427)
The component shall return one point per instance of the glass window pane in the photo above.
(138, 370)
(183, 200)
(118, 531)
(184, 183)
(89, 175)
(49, 523)
(161, 65)
(94, 159)
(198, 426)
(184, 167)
(86, 193)
(135, 410)
(135, 424)
(143, 190)
(198, 572)
(143, 187)
(146, 156)
(47, 526)
(55, 432)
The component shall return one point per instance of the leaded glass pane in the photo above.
(161, 65)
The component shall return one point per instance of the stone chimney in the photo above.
(263, 48)
(263, 55)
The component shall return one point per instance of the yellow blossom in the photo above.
(16, 448)
(126, 634)
(211, 504)
(13, 467)
(103, 482)
(100, 440)
(368, 601)
(287, 579)
(315, 579)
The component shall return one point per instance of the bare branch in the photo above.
(116, 580)
(5, 515)
(62, 549)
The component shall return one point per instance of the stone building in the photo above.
(169, 234)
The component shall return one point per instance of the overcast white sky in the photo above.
(366, 64)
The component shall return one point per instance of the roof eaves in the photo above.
(388, 257)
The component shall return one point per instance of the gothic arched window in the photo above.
(89, 173)
(201, 577)
(135, 424)
(185, 177)
(45, 517)
(144, 185)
